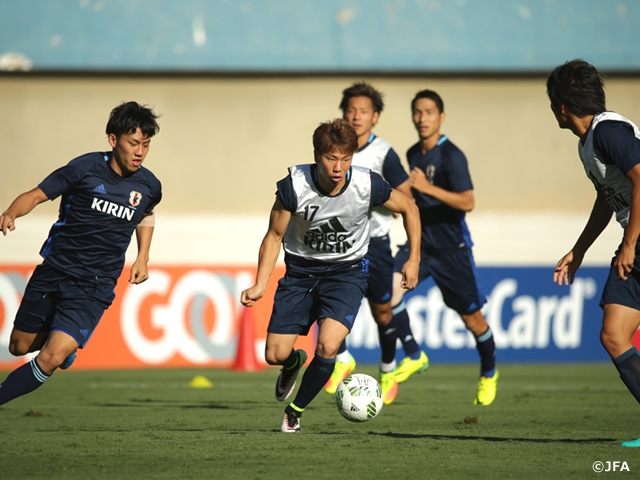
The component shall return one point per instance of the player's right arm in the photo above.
(21, 206)
(269, 251)
(568, 265)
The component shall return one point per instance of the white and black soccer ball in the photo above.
(359, 397)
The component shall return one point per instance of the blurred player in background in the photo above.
(609, 148)
(105, 196)
(321, 217)
(361, 106)
(441, 185)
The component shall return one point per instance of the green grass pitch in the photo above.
(549, 421)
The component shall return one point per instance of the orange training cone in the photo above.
(246, 360)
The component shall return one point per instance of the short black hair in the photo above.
(578, 86)
(362, 89)
(129, 116)
(431, 95)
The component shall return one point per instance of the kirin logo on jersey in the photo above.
(111, 208)
(135, 198)
(431, 172)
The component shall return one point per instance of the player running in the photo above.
(361, 106)
(443, 191)
(105, 197)
(321, 217)
(609, 149)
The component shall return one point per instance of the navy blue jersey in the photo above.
(99, 210)
(615, 143)
(443, 227)
(392, 170)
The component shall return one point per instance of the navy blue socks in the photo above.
(388, 335)
(487, 350)
(292, 360)
(315, 377)
(404, 333)
(628, 364)
(21, 381)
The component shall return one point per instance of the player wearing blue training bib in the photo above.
(609, 148)
(321, 218)
(443, 191)
(361, 106)
(104, 198)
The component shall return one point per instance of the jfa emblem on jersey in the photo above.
(431, 172)
(134, 198)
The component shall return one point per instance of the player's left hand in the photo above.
(410, 275)
(7, 223)
(623, 262)
(139, 273)
(418, 180)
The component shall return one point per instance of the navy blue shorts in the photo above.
(380, 270)
(301, 299)
(54, 300)
(623, 292)
(454, 272)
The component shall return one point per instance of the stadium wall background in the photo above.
(236, 116)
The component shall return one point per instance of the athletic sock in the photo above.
(23, 380)
(628, 364)
(487, 350)
(387, 367)
(314, 378)
(343, 353)
(292, 409)
(403, 325)
(388, 335)
(291, 361)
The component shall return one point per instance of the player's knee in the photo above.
(382, 314)
(20, 345)
(475, 322)
(18, 349)
(328, 349)
(49, 359)
(274, 357)
(610, 341)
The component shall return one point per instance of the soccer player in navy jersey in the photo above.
(442, 188)
(361, 106)
(105, 197)
(321, 217)
(609, 149)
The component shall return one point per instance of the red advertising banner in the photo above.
(180, 317)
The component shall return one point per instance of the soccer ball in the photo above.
(359, 397)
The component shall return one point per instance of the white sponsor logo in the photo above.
(536, 322)
(114, 209)
(180, 323)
